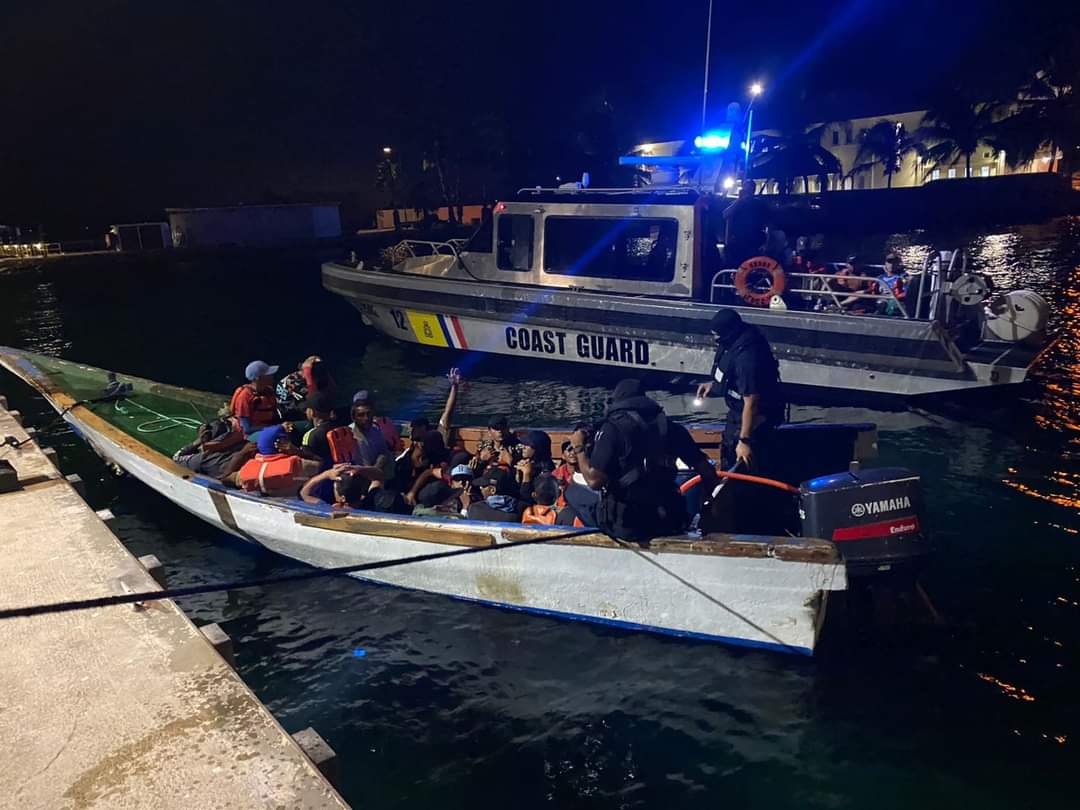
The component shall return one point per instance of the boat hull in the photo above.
(820, 350)
(678, 586)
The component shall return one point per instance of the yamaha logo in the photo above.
(864, 508)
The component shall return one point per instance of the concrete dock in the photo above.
(120, 707)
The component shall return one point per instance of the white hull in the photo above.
(753, 601)
(871, 355)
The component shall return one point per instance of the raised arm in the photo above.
(454, 376)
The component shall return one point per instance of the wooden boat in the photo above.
(767, 592)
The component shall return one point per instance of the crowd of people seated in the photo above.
(293, 438)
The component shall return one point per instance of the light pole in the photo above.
(708, 45)
(755, 90)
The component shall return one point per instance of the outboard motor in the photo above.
(875, 517)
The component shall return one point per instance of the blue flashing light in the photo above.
(713, 140)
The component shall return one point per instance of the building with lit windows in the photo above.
(842, 139)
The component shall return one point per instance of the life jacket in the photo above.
(263, 406)
(343, 446)
(276, 475)
(538, 513)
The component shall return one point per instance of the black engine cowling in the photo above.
(875, 517)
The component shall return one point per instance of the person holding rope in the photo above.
(745, 373)
(633, 466)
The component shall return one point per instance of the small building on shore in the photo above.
(254, 225)
(467, 215)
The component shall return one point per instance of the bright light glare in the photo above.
(729, 182)
(756, 89)
(712, 140)
(698, 402)
(386, 150)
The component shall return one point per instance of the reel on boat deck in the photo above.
(971, 288)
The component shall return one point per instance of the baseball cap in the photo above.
(537, 439)
(495, 477)
(461, 471)
(433, 494)
(363, 397)
(257, 368)
(320, 402)
(268, 438)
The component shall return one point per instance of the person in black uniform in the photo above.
(744, 226)
(745, 373)
(632, 464)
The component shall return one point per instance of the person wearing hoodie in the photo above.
(633, 465)
(745, 373)
(535, 461)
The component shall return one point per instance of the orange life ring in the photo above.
(755, 267)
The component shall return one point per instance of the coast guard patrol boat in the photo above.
(629, 278)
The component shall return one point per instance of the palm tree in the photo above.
(796, 153)
(1047, 116)
(956, 129)
(387, 176)
(886, 143)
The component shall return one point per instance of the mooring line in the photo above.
(197, 590)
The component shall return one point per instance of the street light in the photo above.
(386, 150)
(756, 89)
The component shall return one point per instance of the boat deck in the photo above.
(123, 706)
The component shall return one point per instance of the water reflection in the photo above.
(39, 321)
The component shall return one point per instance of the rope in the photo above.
(196, 590)
(690, 483)
(161, 422)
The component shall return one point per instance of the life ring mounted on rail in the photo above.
(751, 277)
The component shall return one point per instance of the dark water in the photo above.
(461, 706)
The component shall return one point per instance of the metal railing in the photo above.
(419, 248)
(932, 300)
(30, 250)
(816, 285)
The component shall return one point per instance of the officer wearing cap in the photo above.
(745, 373)
(254, 402)
(633, 465)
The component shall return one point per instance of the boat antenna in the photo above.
(708, 48)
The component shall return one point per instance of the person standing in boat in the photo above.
(633, 465)
(744, 226)
(745, 373)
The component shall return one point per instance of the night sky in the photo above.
(112, 111)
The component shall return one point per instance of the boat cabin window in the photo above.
(634, 249)
(515, 232)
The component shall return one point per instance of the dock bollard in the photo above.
(152, 565)
(220, 641)
(320, 753)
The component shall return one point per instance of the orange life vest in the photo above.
(275, 475)
(343, 445)
(538, 513)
